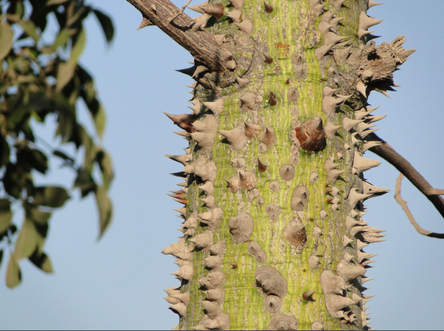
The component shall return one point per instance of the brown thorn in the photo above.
(260, 166)
(177, 195)
(268, 8)
(272, 99)
(183, 201)
(184, 121)
(308, 296)
(215, 10)
(268, 59)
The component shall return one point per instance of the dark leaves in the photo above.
(5, 215)
(107, 25)
(41, 261)
(67, 159)
(14, 180)
(4, 151)
(84, 182)
(32, 159)
(40, 78)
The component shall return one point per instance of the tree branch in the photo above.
(389, 154)
(403, 204)
(201, 44)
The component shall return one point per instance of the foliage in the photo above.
(42, 81)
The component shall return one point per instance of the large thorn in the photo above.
(145, 22)
(372, 3)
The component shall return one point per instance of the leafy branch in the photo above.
(40, 78)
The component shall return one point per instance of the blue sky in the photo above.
(117, 283)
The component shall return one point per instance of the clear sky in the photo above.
(117, 283)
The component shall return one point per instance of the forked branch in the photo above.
(389, 154)
(403, 204)
(200, 43)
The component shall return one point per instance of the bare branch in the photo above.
(403, 204)
(181, 11)
(201, 44)
(389, 154)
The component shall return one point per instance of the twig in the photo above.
(181, 11)
(403, 204)
(389, 154)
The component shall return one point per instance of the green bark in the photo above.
(289, 69)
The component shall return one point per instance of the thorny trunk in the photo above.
(273, 193)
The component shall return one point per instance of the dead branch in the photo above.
(201, 44)
(389, 154)
(181, 11)
(403, 204)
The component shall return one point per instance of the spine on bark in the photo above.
(274, 165)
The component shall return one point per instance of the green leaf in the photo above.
(105, 209)
(27, 79)
(66, 117)
(6, 38)
(13, 274)
(37, 216)
(27, 241)
(28, 26)
(16, 7)
(39, 161)
(41, 261)
(50, 196)
(13, 179)
(107, 25)
(90, 149)
(88, 92)
(61, 39)
(106, 167)
(63, 156)
(32, 158)
(65, 71)
(5, 215)
(84, 182)
(99, 120)
(78, 47)
(55, 2)
(30, 29)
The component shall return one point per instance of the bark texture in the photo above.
(274, 190)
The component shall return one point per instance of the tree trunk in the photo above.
(274, 189)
